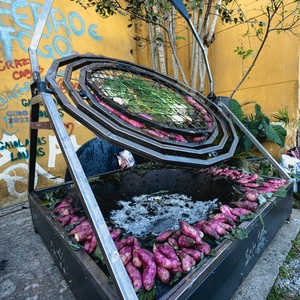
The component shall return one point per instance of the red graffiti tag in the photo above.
(70, 127)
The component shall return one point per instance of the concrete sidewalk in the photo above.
(27, 270)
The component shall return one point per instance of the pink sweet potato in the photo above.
(187, 262)
(74, 219)
(164, 261)
(207, 229)
(126, 254)
(245, 204)
(82, 226)
(132, 122)
(239, 212)
(167, 250)
(150, 268)
(194, 253)
(82, 235)
(65, 220)
(177, 270)
(176, 234)
(164, 236)
(190, 231)
(225, 209)
(120, 244)
(217, 227)
(163, 274)
(204, 248)
(173, 242)
(130, 240)
(224, 225)
(136, 261)
(135, 276)
(250, 196)
(224, 218)
(115, 234)
(186, 241)
(90, 244)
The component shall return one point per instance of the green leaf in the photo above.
(247, 217)
(259, 115)
(247, 143)
(280, 193)
(276, 133)
(236, 108)
(237, 233)
(97, 255)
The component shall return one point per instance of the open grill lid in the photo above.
(142, 110)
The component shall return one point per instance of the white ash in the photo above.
(153, 214)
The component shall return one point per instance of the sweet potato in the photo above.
(120, 244)
(167, 250)
(164, 236)
(190, 231)
(150, 268)
(136, 261)
(225, 209)
(82, 226)
(196, 105)
(163, 274)
(173, 242)
(204, 248)
(186, 241)
(81, 236)
(115, 234)
(194, 253)
(135, 276)
(245, 204)
(239, 212)
(74, 219)
(130, 240)
(251, 196)
(177, 270)
(132, 122)
(187, 262)
(224, 218)
(207, 229)
(217, 227)
(176, 234)
(126, 254)
(164, 261)
(224, 225)
(65, 220)
(90, 244)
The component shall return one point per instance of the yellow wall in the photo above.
(273, 82)
(69, 29)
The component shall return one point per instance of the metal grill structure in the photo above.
(156, 117)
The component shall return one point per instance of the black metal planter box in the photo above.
(217, 277)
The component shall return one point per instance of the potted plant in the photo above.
(271, 136)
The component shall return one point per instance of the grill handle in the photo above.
(178, 4)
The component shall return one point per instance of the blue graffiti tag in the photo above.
(58, 30)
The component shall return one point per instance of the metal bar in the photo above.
(36, 39)
(33, 134)
(256, 143)
(178, 4)
(109, 251)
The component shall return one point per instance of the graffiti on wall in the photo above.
(18, 21)
(59, 28)
(12, 149)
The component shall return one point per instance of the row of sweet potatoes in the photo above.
(175, 251)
